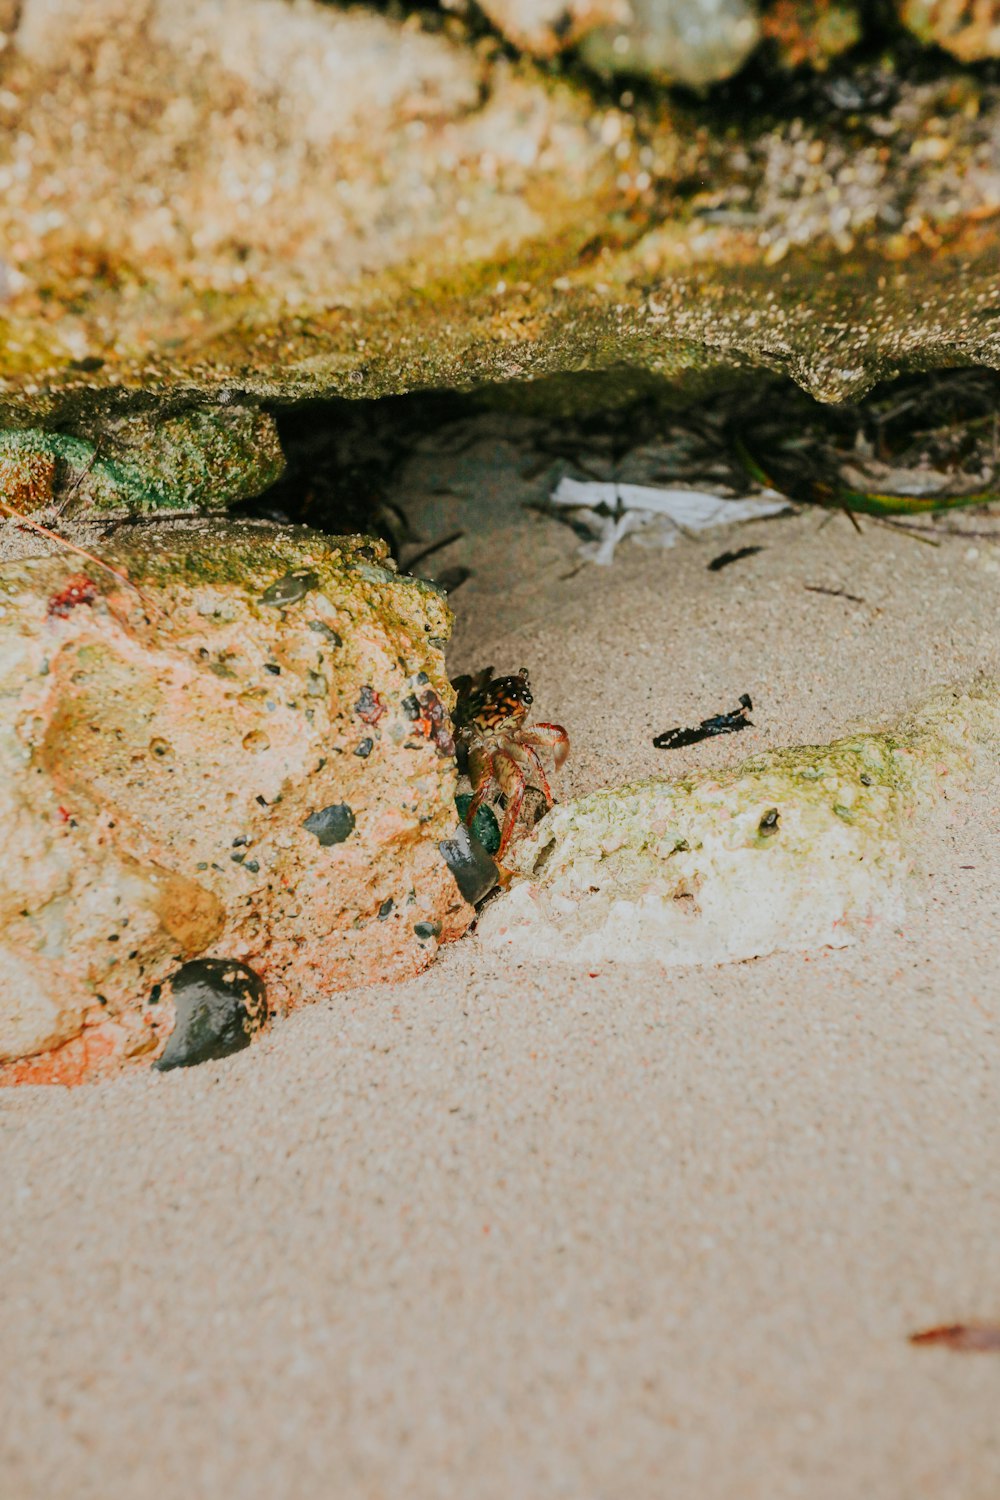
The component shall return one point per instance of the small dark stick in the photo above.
(724, 559)
(731, 723)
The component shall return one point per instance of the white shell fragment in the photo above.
(795, 849)
(613, 511)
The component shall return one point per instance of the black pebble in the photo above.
(365, 749)
(290, 589)
(426, 930)
(474, 871)
(220, 1005)
(768, 823)
(331, 825)
(385, 908)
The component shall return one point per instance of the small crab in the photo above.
(496, 749)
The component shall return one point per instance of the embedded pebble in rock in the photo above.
(473, 868)
(219, 1006)
(290, 589)
(173, 788)
(331, 825)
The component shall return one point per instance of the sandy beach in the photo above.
(531, 1232)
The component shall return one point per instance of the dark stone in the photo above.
(331, 825)
(220, 1004)
(484, 825)
(386, 908)
(369, 706)
(324, 630)
(365, 749)
(290, 589)
(474, 871)
(425, 930)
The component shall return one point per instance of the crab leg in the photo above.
(538, 770)
(512, 783)
(482, 775)
(549, 736)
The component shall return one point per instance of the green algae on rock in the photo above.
(163, 758)
(204, 459)
(793, 849)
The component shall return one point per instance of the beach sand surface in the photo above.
(520, 1231)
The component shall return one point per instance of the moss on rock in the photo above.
(792, 849)
(202, 460)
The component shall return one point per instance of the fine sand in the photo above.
(529, 1232)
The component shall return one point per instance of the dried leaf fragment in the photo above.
(967, 1337)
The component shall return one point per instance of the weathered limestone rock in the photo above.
(208, 202)
(680, 41)
(968, 28)
(790, 850)
(238, 755)
(545, 28)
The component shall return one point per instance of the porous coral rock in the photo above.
(792, 849)
(165, 750)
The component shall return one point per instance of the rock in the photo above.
(794, 849)
(320, 201)
(544, 28)
(178, 783)
(695, 42)
(968, 28)
(811, 32)
(219, 1006)
(472, 866)
(27, 471)
(201, 460)
(677, 40)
